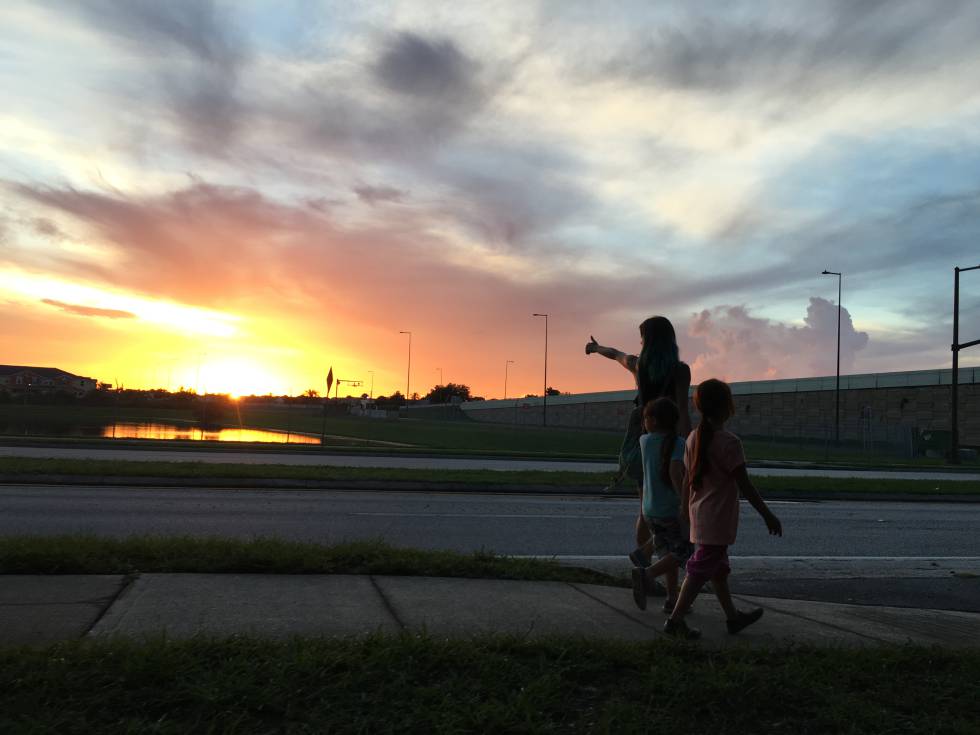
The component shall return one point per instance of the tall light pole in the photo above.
(544, 411)
(440, 375)
(372, 384)
(840, 279)
(408, 381)
(954, 439)
(506, 366)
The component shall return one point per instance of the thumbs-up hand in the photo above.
(591, 346)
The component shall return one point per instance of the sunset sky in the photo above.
(236, 196)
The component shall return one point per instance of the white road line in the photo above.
(612, 557)
(482, 515)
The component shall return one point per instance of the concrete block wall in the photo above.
(868, 414)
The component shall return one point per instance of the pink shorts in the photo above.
(708, 561)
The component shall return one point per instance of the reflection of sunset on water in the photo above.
(193, 433)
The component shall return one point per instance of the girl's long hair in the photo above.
(664, 412)
(713, 400)
(657, 365)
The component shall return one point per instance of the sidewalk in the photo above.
(42, 609)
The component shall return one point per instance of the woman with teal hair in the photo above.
(659, 373)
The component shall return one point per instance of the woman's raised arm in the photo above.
(627, 361)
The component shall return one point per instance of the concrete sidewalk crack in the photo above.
(386, 602)
(126, 585)
(614, 609)
(840, 628)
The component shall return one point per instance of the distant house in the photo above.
(19, 379)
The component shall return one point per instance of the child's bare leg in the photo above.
(666, 565)
(689, 590)
(670, 579)
(644, 539)
(719, 583)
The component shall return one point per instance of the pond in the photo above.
(151, 430)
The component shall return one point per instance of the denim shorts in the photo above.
(670, 538)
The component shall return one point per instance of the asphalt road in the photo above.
(408, 461)
(860, 536)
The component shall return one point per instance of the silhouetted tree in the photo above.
(395, 400)
(446, 393)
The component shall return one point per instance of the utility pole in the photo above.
(506, 366)
(954, 442)
(544, 412)
(840, 279)
(408, 380)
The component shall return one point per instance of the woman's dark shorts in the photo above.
(670, 538)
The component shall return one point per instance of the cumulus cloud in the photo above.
(728, 342)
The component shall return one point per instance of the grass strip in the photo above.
(408, 683)
(209, 470)
(86, 554)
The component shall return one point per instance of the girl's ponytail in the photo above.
(713, 399)
(702, 440)
(664, 412)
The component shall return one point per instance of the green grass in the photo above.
(27, 466)
(460, 436)
(789, 450)
(454, 435)
(490, 684)
(81, 554)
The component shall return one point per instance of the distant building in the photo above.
(19, 379)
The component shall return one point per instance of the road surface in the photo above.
(919, 554)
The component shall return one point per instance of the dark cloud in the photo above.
(46, 227)
(193, 50)
(828, 47)
(379, 194)
(80, 310)
(194, 26)
(434, 69)
(430, 91)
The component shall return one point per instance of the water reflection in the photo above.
(126, 430)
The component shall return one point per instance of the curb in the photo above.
(274, 449)
(436, 486)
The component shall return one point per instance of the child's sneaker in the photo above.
(640, 587)
(743, 620)
(679, 629)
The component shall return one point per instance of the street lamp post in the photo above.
(408, 380)
(440, 376)
(506, 366)
(372, 384)
(840, 279)
(544, 410)
(954, 439)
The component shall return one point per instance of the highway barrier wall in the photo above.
(892, 408)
